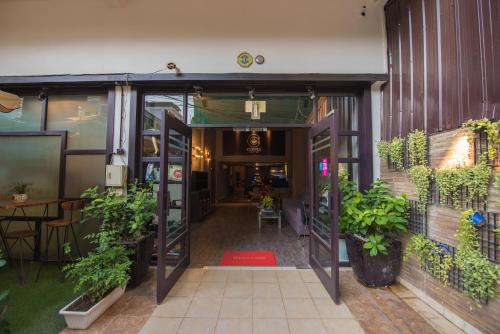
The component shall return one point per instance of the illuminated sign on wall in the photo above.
(323, 167)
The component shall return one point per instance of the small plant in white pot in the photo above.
(20, 192)
(100, 279)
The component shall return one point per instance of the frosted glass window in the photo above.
(33, 160)
(26, 118)
(84, 116)
(82, 172)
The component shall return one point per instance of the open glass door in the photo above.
(324, 207)
(173, 203)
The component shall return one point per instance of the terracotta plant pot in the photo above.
(83, 319)
(19, 198)
(373, 271)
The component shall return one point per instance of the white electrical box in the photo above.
(116, 176)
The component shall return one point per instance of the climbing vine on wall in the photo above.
(396, 152)
(449, 185)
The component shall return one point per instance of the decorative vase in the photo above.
(19, 198)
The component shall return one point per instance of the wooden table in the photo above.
(15, 206)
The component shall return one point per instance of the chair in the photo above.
(67, 225)
(20, 238)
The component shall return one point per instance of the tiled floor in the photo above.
(218, 300)
(247, 301)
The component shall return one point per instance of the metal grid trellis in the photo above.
(481, 146)
(417, 220)
(489, 238)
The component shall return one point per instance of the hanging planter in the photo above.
(478, 219)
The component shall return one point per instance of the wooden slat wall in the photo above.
(443, 64)
(442, 224)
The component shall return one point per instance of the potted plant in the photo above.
(20, 192)
(267, 203)
(127, 220)
(100, 279)
(371, 221)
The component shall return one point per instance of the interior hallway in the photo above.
(234, 227)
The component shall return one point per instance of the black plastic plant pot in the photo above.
(142, 250)
(373, 271)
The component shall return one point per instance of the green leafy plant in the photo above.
(4, 299)
(21, 188)
(420, 176)
(432, 258)
(383, 148)
(417, 148)
(480, 276)
(449, 184)
(490, 128)
(267, 202)
(374, 215)
(396, 152)
(123, 216)
(100, 272)
(476, 179)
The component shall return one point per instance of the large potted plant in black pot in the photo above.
(127, 220)
(371, 221)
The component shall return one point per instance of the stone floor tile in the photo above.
(317, 290)
(270, 326)
(238, 290)
(197, 326)
(306, 326)
(309, 276)
(344, 326)
(204, 307)
(192, 275)
(159, 325)
(328, 309)
(266, 290)
(268, 308)
(294, 290)
(265, 276)
(234, 326)
(241, 276)
(289, 276)
(300, 308)
(215, 276)
(173, 307)
(184, 289)
(236, 308)
(210, 289)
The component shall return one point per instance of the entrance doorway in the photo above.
(335, 137)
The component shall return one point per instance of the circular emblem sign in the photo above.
(260, 59)
(253, 140)
(245, 59)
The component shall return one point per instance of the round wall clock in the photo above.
(245, 59)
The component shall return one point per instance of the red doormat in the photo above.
(232, 258)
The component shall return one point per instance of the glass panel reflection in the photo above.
(348, 147)
(156, 105)
(84, 116)
(174, 256)
(26, 118)
(151, 146)
(322, 221)
(322, 255)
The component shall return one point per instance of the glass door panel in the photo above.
(173, 228)
(324, 249)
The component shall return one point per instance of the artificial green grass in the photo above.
(34, 307)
